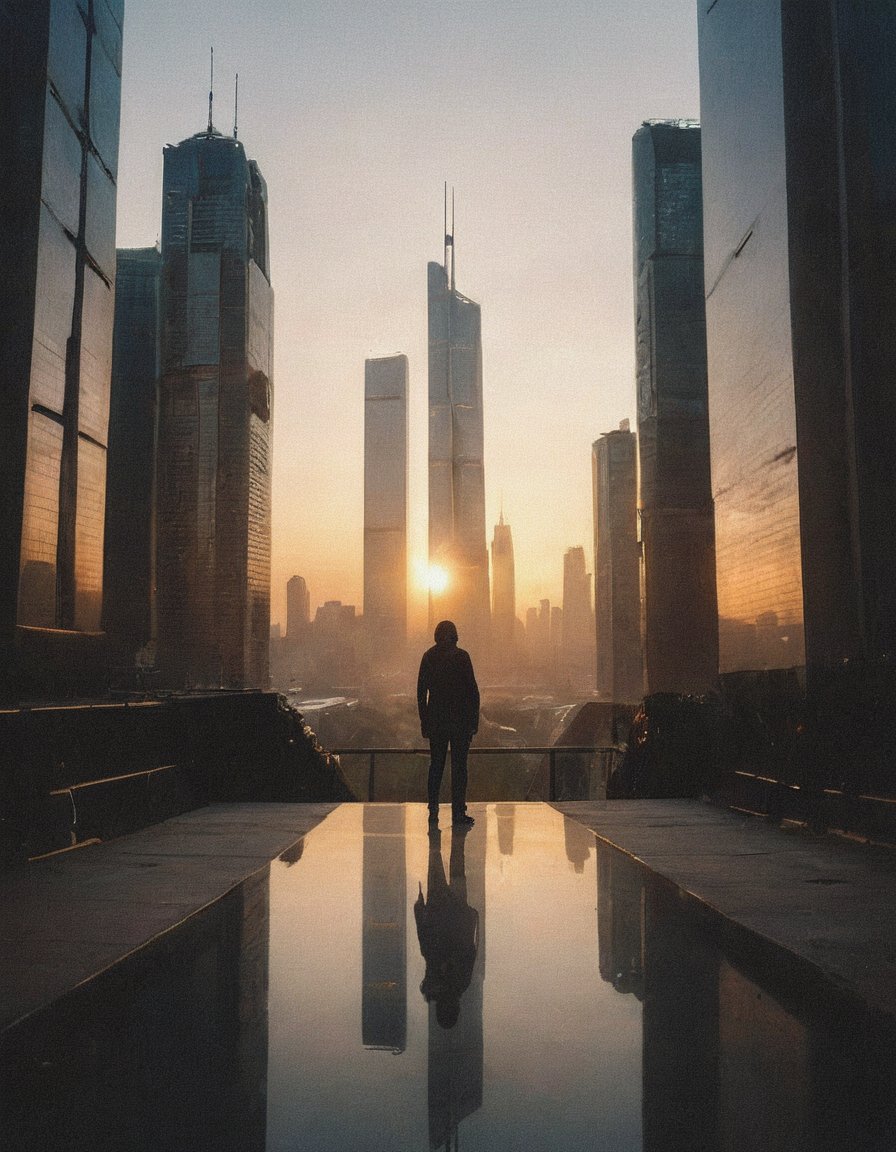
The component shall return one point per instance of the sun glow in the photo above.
(432, 577)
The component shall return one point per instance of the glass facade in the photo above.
(385, 504)
(799, 176)
(617, 580)
(128, 598)
(680, 625)
(215, 408)
(63, 64)
(456, 466)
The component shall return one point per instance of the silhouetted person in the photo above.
(448, 703)
(448, 930)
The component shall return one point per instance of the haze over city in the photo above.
(357, 114)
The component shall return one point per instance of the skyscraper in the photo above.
(59, 110)
(800, 174)
(298, 607)
(503, 592)
(456, 470)
(129, 586)
(680, 619)
(617, 581)
(577, 645)
(386, 506)
(214, 467)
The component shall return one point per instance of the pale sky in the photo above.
(357, 112)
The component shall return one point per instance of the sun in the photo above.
(437, 579)
(432, 578)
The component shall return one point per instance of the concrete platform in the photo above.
(824, 900)
(70, 916)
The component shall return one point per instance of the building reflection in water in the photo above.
(167, 1051)
(450, 930)
(384, 1015)
(578, 841)
(737, 1054)
(505, 815)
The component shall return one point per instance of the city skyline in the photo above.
(537, 146)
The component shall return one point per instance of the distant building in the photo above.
(129, 589)
(298, 607)
(503, 592)
(214, 464)
(335, 645)
(800, 199)
(617, 581)
(577, 645)
(555, 636)
(680, 618)
(59, 107)
(386, 507)
(538, 633)
(456, 470)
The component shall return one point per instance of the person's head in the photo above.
(446, 632)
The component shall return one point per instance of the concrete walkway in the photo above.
(827, 901)
(68, 917)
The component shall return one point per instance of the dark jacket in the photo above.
(447, 692)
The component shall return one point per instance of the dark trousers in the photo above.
(438, 750)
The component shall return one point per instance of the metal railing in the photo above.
(607, 757)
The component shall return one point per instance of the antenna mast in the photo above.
(236, 102)
(449, 236)
(211, 94)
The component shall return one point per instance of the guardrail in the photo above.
(608, 756)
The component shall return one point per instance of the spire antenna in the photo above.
(445, 226)
(236, 102)
(452, 239)
(449, 236)
(211, 93)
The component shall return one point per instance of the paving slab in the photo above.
(72, 915)
(826, 900)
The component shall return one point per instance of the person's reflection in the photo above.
(447, 928)
(452, 940)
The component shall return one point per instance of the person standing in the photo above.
(448, 703)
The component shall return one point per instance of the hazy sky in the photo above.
(357, 111)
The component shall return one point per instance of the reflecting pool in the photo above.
(513, 986)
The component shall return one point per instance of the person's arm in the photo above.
(474, 701)
(423, 698)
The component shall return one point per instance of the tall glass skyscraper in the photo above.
(214, 455)
(457, 543)
(617, 583)
(59, 118)
(129, 581)
(681, 648)
(386, 506)
(503, 592)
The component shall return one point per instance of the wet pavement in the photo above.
(344, 979)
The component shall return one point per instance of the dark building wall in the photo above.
(214, 466)
(617, 582)
(129, 549)
(799, 169)
(59, 111)
(681, 637)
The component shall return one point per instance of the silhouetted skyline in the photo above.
(356, 128)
